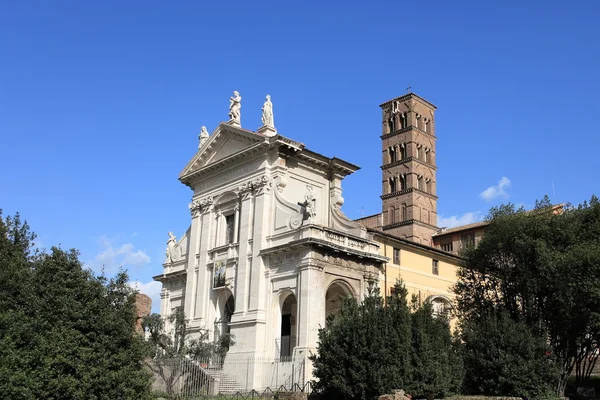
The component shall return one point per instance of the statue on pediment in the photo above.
(235, 105)
(203, 136)
(267, 113)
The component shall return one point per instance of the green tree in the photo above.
(174, 356)
(502, 356)
(436, 363)
(540, 268)
(64, 332)
(367, 350)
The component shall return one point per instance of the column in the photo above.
(217, 231)
(236, 238)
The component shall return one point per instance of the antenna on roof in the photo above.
(553, 192)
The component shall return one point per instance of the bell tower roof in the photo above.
(406, 97)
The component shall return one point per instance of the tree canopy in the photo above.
(373, 347)
(65, 333)
(542, 269)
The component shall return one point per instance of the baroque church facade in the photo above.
(269, 254)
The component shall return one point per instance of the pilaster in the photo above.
(192, 278)
(200, 256)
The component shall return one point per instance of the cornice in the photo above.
(404, 130)
(406, 160)
(405, 191)
(170, 275)
(406, 97)
(225, 162)
(315, 242)
(409, 222)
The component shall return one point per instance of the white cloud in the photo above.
(498, 191)
(113, 256)
(456, 220)
(151, 289)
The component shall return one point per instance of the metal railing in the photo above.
(184, 377)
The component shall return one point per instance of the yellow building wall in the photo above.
(415, 269)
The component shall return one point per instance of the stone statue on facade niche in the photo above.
(235, 105)
(170, 251)
(267, 113)
(203, 136)
(310, 203)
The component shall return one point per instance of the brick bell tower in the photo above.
(408, 168)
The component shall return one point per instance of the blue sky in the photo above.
(101, 104)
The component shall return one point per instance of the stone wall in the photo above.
(143, 306)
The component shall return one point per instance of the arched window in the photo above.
(393, 155)
(335, 296)
(287, 334)
(393, 185)
(402, 151)
(420, 182)
(392, 215)
(402, 182)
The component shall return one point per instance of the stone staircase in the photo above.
(224, 383)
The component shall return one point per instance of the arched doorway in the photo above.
(287, 333)
(337, 292)
(226, 308)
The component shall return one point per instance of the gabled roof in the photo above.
(231, 144)
(214, 149)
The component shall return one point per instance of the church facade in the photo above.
(269, 254)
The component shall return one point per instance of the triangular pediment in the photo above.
(225, 142)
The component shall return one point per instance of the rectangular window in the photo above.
(447, 246)
(397, 256)
(435, 268)
(229, 222)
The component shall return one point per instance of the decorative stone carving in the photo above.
(310, 202)
(172, 249)
(258, 185)
(200, 206)
(235, 106)
(267, 113)
(203, 137)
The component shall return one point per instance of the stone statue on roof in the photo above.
(267, 113)
(203, 136)
(235, 105)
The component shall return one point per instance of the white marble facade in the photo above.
(268, 253)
